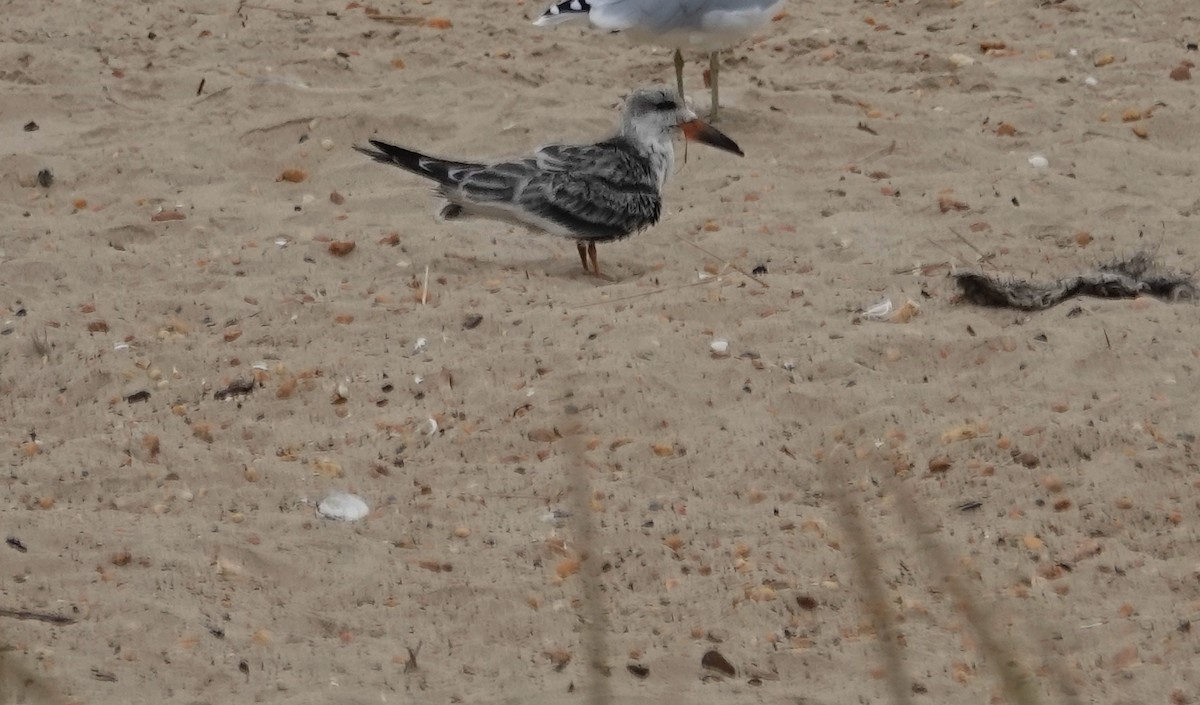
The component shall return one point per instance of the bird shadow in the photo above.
(561, 268)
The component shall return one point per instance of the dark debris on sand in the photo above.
(1120, 279)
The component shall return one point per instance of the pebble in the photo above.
(1037, 161)
(343, 506)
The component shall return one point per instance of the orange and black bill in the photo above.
(699, 131)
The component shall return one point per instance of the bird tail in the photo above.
(564, 11)
(440, 170)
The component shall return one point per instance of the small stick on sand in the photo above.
(702, 282)
(943, 248)
(886, 151)
(425, 286)
(214, 94)
(37, 616)
(278, 11)
(398, 19)
(727, 263)
(285, 123)
(982, 257)
(411, 664)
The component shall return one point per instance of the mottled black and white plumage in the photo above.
(590, 193)
(710, 25)
(561, 11)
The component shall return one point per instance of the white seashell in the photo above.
(1037, 161)
(720, 346)
(343, 506)
(1091, 82)
(433, 426)
(878, 311)
(961, 60)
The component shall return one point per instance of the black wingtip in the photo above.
(385, 153)
(563, 11)
(377, 156)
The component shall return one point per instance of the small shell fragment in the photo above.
(905, 313)
(878, 311)
(420, 345)
(343, 506)
(341, 248)
(720, 346)
(1037, 161)
(960, 60)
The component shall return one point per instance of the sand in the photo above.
(883, 146)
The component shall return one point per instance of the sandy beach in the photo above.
(215, 313)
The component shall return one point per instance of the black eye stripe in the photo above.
(666, 105)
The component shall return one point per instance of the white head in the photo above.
(655, 113)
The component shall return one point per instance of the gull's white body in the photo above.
(709, 25)
(706, 25)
